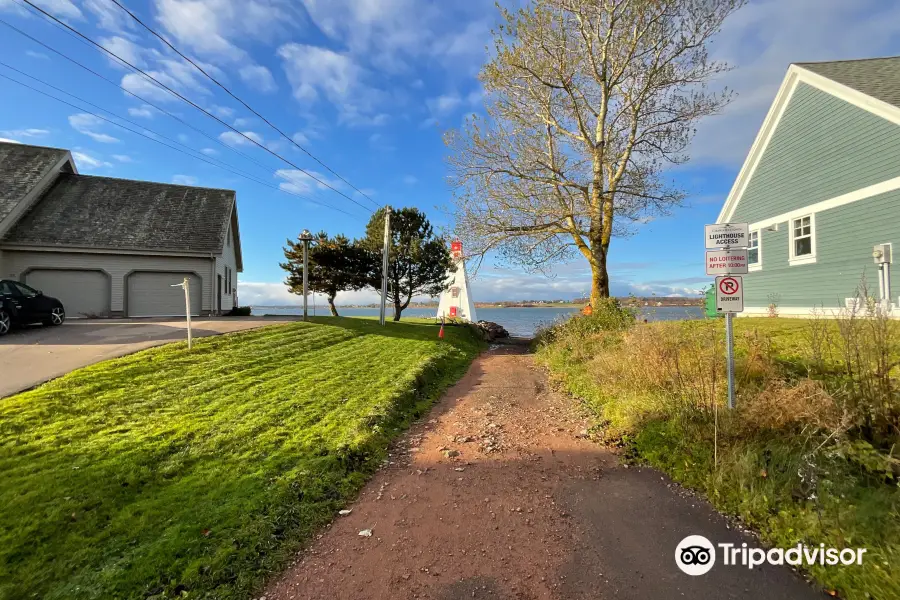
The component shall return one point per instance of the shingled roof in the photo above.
(21, 168)
(875, 77)
(85, 211)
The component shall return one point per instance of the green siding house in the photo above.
(821, 188)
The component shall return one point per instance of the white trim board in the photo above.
(856, 195)
(796, 74)
(798, 312)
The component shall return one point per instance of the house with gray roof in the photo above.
(820, 189)
(115, 247)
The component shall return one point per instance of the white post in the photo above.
(305, 274)
(385, 266)
(187, 306)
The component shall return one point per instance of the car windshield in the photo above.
(5, 287)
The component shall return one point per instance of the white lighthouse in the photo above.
(456, 302)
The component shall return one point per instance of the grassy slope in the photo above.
(758, 477)
(168, 473)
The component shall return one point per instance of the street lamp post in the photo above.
(306, 238)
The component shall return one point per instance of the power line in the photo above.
(132, 94)
(222, 166)
(195, 105)
(247, 106)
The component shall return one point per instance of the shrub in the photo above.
(239, 311)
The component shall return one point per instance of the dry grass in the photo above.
(810, 454)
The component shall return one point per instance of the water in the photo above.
(518, 321)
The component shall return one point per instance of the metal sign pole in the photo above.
(385, 265)
(729, 348)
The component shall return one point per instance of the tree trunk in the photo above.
(334, 312)
(397, 310)
(599, 277)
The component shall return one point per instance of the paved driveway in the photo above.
(34, 355)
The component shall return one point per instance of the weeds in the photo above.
(809, 455)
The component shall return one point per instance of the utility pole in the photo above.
(305, 237)
(385, 265)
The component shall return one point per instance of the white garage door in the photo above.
(83, 293)
(150, 294)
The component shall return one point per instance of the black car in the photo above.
(20, 305)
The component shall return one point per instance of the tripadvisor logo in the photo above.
(696, 555)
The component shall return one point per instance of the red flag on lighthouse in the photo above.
(441, 332)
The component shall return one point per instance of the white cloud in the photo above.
(277, 294)
(209, 151)
(184, 180)
(9, 141)
(243, 122)
(174, 74)
(38, 55)
(298, 182)
(259, 78)
(315, 73)
(763, 38)
(507, 287)
(25, 133)
(109, 16)
(300, 138)
(444, 104)
(123, 158)
(125, 49)
(144, 111)
(64, 9)
(223, 112)
(85, 161)
(214, 28)
(88, 125)
(410, 180)
(390, 34)
(236, 139)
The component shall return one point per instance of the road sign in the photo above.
(726, 262)
(728, 235)
(729, 294)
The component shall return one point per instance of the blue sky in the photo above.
(369, 86)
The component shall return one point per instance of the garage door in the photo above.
(83, 293)
(150, 294)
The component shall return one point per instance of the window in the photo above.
(227, 280)
(753, 257)
(803, 243)
(25, 290)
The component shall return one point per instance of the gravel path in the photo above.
(497, 494)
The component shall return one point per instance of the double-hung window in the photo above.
(803, 241)
(754, 258)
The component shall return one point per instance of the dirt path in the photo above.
(497, 495)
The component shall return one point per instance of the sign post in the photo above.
(187, 308)
(726, 257)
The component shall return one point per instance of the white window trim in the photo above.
(757, 266)
(806, 258)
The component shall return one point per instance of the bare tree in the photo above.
(587, 102)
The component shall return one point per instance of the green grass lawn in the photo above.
(170, 473)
